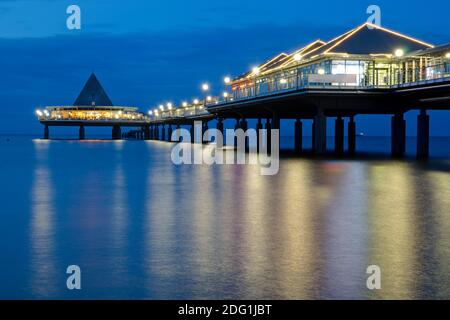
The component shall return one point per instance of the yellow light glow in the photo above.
(209, 98)
(321, 71)
(399, 53)
(447, 55)
(161, 107)
(398, 34)
(227, 80)
(39, 113)
(283, 81)
(196, 101)
(150, 113)
(256, 71)
(205, 87)
(225, 94)
(297, 57)
(185, 104)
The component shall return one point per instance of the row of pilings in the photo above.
(163, 132)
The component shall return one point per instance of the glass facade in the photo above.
(373, 71)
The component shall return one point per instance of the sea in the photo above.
(140, 227)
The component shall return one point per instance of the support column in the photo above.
(163, 132)
(268, 135)
(313, 136)
(298, 136)
(147, 133)
(236, 127)
(178, 129)
(204, 129)
(193, 133)
(116, 133)
(352, 136)
(320, 133)
(339, 136)
(46, 133)
(244, 126)
(276, 126)
(169, 133)
(81, 133)
(423, 135)
(151, 132)
(398, 135)
(258, 131)
(220, 129)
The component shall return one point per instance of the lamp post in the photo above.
(399, 53)
(205, 89)
(225, 96)
(227, 81)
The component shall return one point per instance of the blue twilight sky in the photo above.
(148, 52)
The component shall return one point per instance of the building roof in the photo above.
(367, 39)
(370, 39)
(265, 66)
(302, 52)
(92, 94)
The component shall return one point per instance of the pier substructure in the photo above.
(46, 133)
(339, 136)
(219, 144)
(351, 136)
(298, 135)
(268, 141)
(156, 132)
(423, 135)
(276, 126)
(398, 145)
(313, 136)
(116, 132)
(169, 133)
(178, 135)
(204, 129)
(82, 133)
(320, 129)
(236, 127)
(163, 132)
(147, 133)
(259, 127)
(244, 126)
(193, 133)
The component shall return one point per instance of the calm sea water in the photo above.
(140, 227)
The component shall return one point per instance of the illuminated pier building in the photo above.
(92, 108)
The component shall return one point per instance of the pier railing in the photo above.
(181, 113)
(291, 81)
(95, 114)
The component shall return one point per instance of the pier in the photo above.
(92, 108)
(366, 71)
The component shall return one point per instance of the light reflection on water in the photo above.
(140, 227)
(42, 229)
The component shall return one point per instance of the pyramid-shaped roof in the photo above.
(93, 94)
(370, 39)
